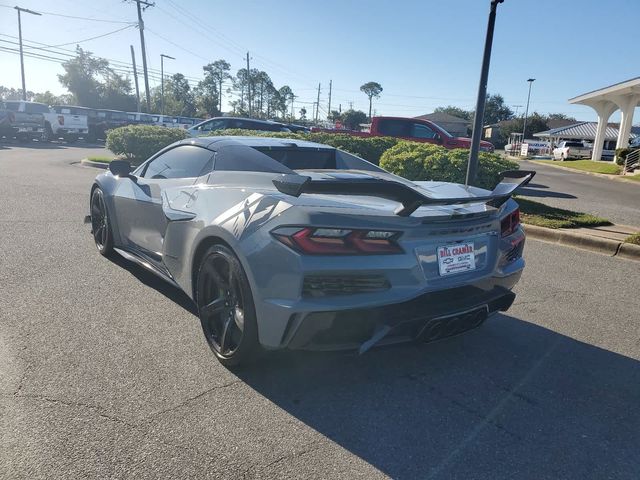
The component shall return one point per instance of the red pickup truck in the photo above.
(414, 129)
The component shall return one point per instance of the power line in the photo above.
(74, 17)
(89, 39)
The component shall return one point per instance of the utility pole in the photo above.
(249, 85)
(162, 57)
(25, 10)
(135, 76)
(293, 97)
(339, 108)
(329, 110)
(351, 105)
(472, 166)
(317, 104)
(144, 50)
(526, 112)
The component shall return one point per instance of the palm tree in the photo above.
(371, 89)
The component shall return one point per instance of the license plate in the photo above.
(456, 258)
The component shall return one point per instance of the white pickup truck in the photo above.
(571, 149)
(52, 125)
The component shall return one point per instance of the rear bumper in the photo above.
(429, 317)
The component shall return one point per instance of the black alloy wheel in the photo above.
(100, 226)
(226, 308)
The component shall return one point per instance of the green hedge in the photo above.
(369, 148)
(139, 142)
(621, 154)
(423, 161)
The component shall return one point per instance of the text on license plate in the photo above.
(456, 258)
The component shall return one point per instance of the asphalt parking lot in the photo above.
(615, 200)
(104, 371)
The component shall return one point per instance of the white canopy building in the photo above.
(624, 96)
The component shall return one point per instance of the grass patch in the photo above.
(535, 213)
(633, 178)
(635, 239)
(607, 168)
(100, 159)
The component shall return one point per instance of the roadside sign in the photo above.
(524, 149)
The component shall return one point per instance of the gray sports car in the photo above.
(292, 244)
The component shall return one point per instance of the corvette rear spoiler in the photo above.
(410, 198)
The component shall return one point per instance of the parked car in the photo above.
(297, 128)
(567, 150)
(222, 123)
(415, 129)
(293, 252)
(97, 124)
(138, 118)
(7, 128)
(65, 125)
(163, 120)
(28, 119)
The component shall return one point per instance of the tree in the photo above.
(455, 111)
(7, 93)
(81, 77)
(178, 97)
(352, 119)
(560, 116)
(371, 90)
(303, 113)
(49, 98)
(286, 96)
(94, 84)
(495, 110)
(535, 123)
(334, 116)
(217, 72)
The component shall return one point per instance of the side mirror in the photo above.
(438, 138)
(121, 168)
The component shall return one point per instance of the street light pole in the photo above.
(162, 57)
(472, 166)
(25, 10)
(526, 112)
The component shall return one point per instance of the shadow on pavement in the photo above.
(153, 281)
(535, 190)
(504, 401)
(508, 400)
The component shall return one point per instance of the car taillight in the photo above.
(338, 241)
(510, 223)
(60, 119)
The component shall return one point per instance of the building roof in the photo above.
(628, 86)
(442, 117)
(581, 130)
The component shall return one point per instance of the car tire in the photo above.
(100, 223)
(226, 308)
(47, 133)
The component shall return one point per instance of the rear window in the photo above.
(394, 128)
(36, 108)
(574, 144)
(13, 106)
(302, 159)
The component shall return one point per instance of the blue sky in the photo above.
(424, 53)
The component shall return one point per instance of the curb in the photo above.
(619, 178)
(88, 163)
(604, 246)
